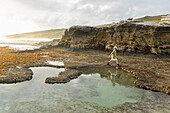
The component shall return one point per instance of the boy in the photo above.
(113, 56)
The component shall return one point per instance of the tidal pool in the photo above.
(96, 89)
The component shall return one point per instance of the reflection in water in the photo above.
(112, 76)
(79, 95)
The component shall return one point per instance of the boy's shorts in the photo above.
(114, 59)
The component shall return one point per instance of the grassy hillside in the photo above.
(151, 18)
(52, 33)
(105, 25)
(156, 19)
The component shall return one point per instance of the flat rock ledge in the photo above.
(150, 106)
(14, 75)
(23, 73)
(150, 80)
(64, 77)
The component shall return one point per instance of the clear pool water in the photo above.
(95, 89)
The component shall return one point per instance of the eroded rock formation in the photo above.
(129, 37)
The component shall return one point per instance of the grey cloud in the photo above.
(65, 13)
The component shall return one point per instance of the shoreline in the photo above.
(74, 61)
(144, 69)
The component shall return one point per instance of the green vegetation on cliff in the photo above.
(52, 33)
(105, 25)
(151, 18)
(156, 19)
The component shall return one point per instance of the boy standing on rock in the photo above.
(113, 56)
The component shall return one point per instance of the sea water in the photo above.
(95, 89)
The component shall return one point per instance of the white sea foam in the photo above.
(4, 39)
(20, 44)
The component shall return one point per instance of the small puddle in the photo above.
(58, 63)
(101, 87)
(44, 56)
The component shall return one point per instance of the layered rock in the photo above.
(165, 19)
(129, 37)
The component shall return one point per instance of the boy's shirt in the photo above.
(113, 54)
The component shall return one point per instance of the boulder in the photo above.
(130, 19)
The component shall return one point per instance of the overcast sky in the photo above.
(18, 16)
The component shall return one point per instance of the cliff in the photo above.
(133, 37)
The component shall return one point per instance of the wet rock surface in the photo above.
(150, 73)
(64, 76)
(22, 73)
(14, 75)
(156, 106)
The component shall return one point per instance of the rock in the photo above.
(128, 36)
(154, 51)
(130, 19)
(150, 106)
(47, 44)
(123, 21)
(165, 19)
(14, 75)
(63, 77)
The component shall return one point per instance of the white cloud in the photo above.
(46, 14)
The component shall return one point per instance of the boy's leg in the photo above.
(117, 63)
(109, 62)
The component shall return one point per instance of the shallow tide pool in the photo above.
(95, 89)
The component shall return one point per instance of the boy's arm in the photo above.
(110, 53)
